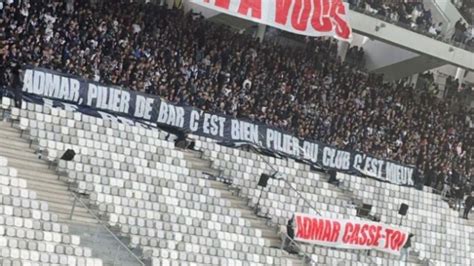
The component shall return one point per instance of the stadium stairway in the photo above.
(44, 180)
(269, 233)
(354, 200)
(346, 195)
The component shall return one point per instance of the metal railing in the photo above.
(271, 223)
(288, 184)
(305, 255)
(446, 39)
(132, 257)
(101, 224)
(425, 261)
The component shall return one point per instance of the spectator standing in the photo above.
(433, 30)
(70, 6)
(446, 186)
(16, 87)
(290, 232)
(439, 28)
(468, 205)
(405, 252)
(186, 59)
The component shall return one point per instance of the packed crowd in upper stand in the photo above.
(463, 32)
(413, 14)
(466, 8)
(188, 60)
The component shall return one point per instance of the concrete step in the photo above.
(64, 218)
(196, 162)
(207, 170)
(45, 182)
(272, 239)
(46, 187)
(26, 157)
(39, 166)
(52, 195)
(49, 179)
(9, 131)
(67, 208)
(82, 219)
(218, 185)
(103, 243)
(16, 136)
(294, 261)
(6, 126)
(191, 153)
(240, 204)
(14, 143)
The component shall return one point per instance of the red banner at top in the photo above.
(307, 17)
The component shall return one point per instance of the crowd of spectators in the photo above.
(189, 60)
(466, 8)
(463, 33)
(355, 57)
(457, 92)
(414, 15)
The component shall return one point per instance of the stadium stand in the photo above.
(164, 207)
(167, 205)
(200, 75)
(466, 8)
(147, 189)
(415, 16)
(29, 232)
(437, 226)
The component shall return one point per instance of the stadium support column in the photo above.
(440, 81)
(342, 48)
(460, 74)
(261, 31)
(413, 80)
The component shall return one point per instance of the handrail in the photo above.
(76, 198)
(271, 223)
(307, 202)
(305, 254)
(445, 40)
(285, 234)
(412, 248)
(289, 184)
(102, 224)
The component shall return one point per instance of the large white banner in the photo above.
(306, 17)
(349, 234)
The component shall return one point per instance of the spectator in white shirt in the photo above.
(432, 30)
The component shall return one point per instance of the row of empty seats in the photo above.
(144, 187)
(438, 229)
(153, 195)
(29, 233)
(440, 234)
(279, 201)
